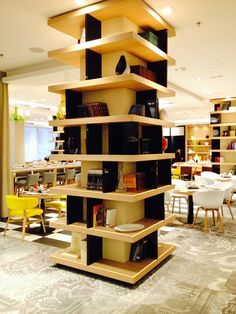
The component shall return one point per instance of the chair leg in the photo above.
(42, 222)
(213, 218)
(229, 207)
(173, 204)
(179, 205)
(205, 221)
(222, 211)
(24, 226)
(195, 218)
(5, 231)
(59, 212)
(220, 220)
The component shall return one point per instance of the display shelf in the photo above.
(223, 112)
(111, 119)
(219, 100)
(137, 11)
(222, 124)
(118, 158)
(57, 150)
(223, 150)
(197, 145)
(57, 141)
(151, 225)
(130, 81)
(129, 42)
(57, 132)
(129, 272)
(199, 153)
(197, 139)
(224, 163)
(223, 138)
(130, 197)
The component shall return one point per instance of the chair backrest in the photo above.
(227, 187)
(186, 170)
(202, 180)
(178, 182)
(32, 179)
(209, 199)
(210, 175)
(21, 203)
(70, 174)
(49, 177)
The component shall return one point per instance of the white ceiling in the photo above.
(205, 55)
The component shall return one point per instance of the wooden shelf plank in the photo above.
(129, 272)
(74, 190)
(129, 42)
(224, 163)
(111, 119)
(151, 225)
(223, 150)
(57, 150)
(223, 137)
(139, 12)
(198, 139)
(222, 124)
(120, 158)
(130, 81)
(218, 100)
(193, 145)
(223, 111)
(200, 153)
(56, 132)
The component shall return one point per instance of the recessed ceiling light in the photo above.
(216, 76)
(167, 10)
(196, 79)
(37, 50)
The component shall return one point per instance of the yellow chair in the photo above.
(59, 205)
(23, 208)
(175, 173)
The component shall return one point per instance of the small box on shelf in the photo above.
(150, 36)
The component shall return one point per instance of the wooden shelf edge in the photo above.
(224, 163)
(221, 124)
(215, 100)
(129, 272)
(120, 158)
(223, 111)
(111, 119)
(129, 81)
(151, 225)
(74, 190)
(223, 137)
(223, 150)
(71, 23)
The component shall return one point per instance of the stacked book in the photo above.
(93, 109)
(95, 179)
(144, 72)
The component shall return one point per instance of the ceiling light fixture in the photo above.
(166, 10)
(37, 50)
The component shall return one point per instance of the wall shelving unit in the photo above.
(111, 30)
(223, 136)
(198, 141)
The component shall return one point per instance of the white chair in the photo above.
(203, 180)
(210, 175)
(209, 201)
(227, 188)
(176, 196)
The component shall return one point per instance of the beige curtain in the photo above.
(4, 148)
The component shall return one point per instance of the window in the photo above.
(37, 143)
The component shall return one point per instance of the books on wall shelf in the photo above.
(144, 72)
(102, 216)
(95, 179)
(134, 182)
(92, 109)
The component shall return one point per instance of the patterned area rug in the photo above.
(199, 278)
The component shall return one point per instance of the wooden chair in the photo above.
(23, 208)
(176, 196)
(58, 205)
(175, 173)
(31, 180)
(48, 179)
(67, 177)
(186, 173)
(209, 201)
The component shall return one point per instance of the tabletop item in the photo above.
(129, 227)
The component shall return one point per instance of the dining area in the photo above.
(206, 200)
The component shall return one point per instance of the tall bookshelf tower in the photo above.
(108, 142)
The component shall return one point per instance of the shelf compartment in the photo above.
(71, 23)
(129, 272)
(74, 190)
(111, 119)
(119, 158)
(130, 81)
(129, 42)
(151, 225)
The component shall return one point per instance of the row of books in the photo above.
(102, 216)
(95, 179)
(134, 181)
(231, 146)
(93, 109)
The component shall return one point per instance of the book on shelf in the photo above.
(138, 251)
(134, 181)
(95, 179)
(98, 215)
(93, 109)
